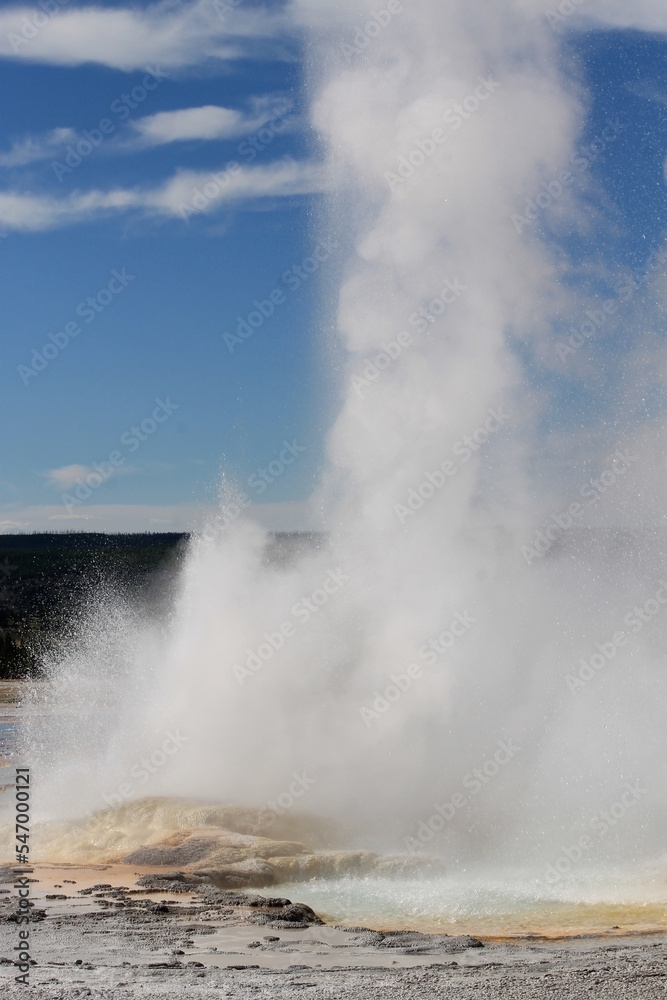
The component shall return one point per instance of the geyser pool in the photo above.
(491, 904)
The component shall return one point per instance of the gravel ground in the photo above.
(624, 970)
(157, 937)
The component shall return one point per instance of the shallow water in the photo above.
(511, 905)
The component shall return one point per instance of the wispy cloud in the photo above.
(209, 122)
(36, 213)
(284, 178)
(182, 35)
(127, 38)
(647, 91)
(31, 149)
(67, 476)
(280, 179)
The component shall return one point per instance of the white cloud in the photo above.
(204, 123)
(179, 35)
(284, 178)
(35, 213)
(65, 477)
(68, 476)
(173, 35)
(30, 149)
(209, 122)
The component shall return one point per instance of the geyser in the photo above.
(391, 662)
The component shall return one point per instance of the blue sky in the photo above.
(229, 89)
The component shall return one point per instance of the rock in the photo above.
(294, 915)
(254, 873)
(288, 869)
(417, 943)
(210, 848)
(229, 846)
(173, 882)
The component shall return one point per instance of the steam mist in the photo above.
(444, 461)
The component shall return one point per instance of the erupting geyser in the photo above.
(471, 663)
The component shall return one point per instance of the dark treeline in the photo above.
(46, 578)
